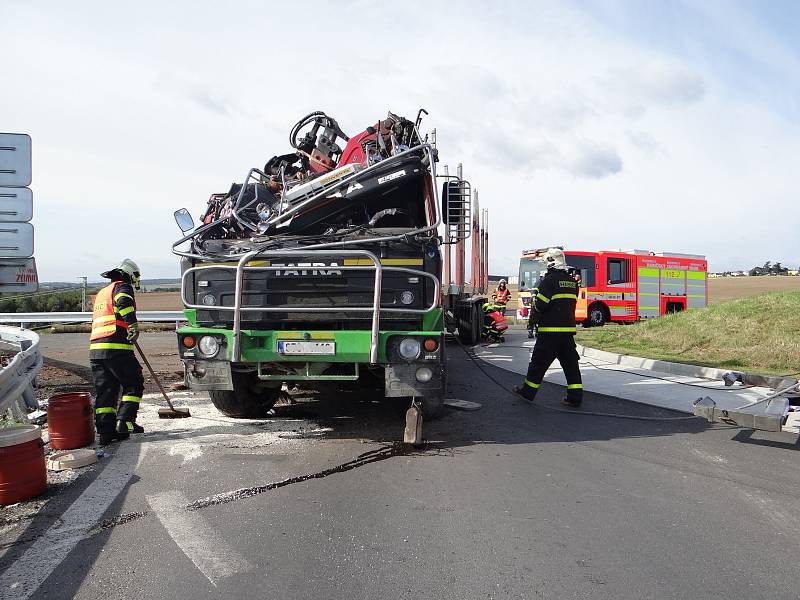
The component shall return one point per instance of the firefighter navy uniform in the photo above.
(114, 366)
(553, 312)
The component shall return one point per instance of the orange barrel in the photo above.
(22, 471)
(69, 420)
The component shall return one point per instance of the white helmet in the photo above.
(503, 281)
(555, 259)
(128, 269)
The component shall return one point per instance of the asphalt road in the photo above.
(161, 348)
(512, 501)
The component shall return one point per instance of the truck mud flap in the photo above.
(208, 375)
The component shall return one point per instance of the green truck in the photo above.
(323, 270)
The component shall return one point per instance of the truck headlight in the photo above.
(208, 345)
(407, 297)
(209, 300)
(409, 348)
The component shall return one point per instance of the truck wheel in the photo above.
(469, 336)
(597, 316)
(245, 401)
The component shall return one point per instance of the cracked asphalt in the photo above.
(511, 501)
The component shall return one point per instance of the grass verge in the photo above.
(758, 334)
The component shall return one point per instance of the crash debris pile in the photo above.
(288, 196)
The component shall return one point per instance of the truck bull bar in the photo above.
(375, 309)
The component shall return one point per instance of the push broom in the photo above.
(163, 413)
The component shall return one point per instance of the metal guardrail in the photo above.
(146, 316)
(16, 378)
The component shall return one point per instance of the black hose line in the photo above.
(611, 368)
(478, 364)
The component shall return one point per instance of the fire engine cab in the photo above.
(622, 286)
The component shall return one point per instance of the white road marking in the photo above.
(714, 458)
(30, 570)
(188, 449)
(194, 536)
(783, 520)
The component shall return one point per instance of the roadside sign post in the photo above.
(18, 275)
(17, 265)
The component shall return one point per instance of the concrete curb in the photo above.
(684, 370)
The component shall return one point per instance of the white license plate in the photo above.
(287, 347)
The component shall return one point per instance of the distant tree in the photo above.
(62, 302)
(768, 265)
(778, 269)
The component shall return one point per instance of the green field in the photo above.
(760, 334)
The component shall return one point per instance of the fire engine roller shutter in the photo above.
(696, 289)
(647, 294)
(673, 282)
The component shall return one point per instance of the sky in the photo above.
(665, 126)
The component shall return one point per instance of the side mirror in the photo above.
(184, 220)
(456, 209)
(521, 284)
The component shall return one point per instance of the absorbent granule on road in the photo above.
(209, 431)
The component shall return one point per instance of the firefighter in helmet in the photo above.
(501, 295)
(553, 313)
(115, 369)
(494, 324)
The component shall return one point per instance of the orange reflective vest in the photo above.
(501, 295)
(105, 318)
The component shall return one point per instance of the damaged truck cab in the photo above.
(319, 274)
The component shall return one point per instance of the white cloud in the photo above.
(632, 90)
(573, 133)
(593, 160)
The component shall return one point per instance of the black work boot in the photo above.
(125, 428)
(123, 431)
(104, 425)
(525, 392)
(573, 402)
(104, 438)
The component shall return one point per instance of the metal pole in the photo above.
(486, 254)
(475, 265)
(460, 259)
(446, 277)
(480, 252)
(83, 293)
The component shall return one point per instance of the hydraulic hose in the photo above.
(491, 378)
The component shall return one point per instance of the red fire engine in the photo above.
(623, 285)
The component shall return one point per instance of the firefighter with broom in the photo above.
(114, 366)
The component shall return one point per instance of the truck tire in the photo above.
(598, 315)
(469, 336)
(245, 401)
